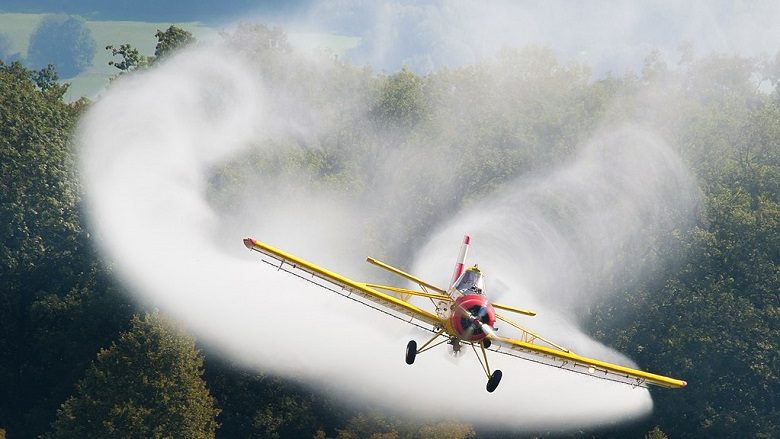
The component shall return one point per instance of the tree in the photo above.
(656, 433)
(168, 41)
(256, 405)
(148, 384)
(402, 103)
(132, 59)
(63, 41)
(712, 316)
(378, 426)
(57, 305)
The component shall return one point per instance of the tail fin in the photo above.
(464, 249)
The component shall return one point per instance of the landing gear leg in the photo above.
(493, 378)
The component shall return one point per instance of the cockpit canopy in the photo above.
(471, 282)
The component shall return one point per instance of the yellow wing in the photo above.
(352, 287)
(558, 356)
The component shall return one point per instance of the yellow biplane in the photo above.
(462, 316)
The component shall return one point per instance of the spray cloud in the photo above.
(150, 150)
(611, 36)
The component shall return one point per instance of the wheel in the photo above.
(411, 351)
(486, 343)
(494, 380)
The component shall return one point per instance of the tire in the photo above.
(411, 351)
(494, 380)
(486, 343)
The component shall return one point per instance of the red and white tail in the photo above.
(459, 265)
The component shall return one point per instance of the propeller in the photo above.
(476, 320)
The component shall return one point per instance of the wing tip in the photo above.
(249, 243)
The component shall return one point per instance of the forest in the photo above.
(82, 359)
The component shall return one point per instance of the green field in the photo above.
(138, 34)
(19, 27)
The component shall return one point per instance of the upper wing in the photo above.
(359, 288)
(555, 355)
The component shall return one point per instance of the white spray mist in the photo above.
(147, 148)
(611, 36)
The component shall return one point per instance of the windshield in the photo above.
(470, 282)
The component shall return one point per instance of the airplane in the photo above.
(462, 316)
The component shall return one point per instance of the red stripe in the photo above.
(458, 272)
(467, 239)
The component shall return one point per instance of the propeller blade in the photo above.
(488, 330)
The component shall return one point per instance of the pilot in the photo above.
(471, 281)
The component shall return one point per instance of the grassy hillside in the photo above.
(140, 34)
(19, 27)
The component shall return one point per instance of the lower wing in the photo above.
(570, 361)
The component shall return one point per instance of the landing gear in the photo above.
(411, 347)
(495, 378)
(411, 351)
